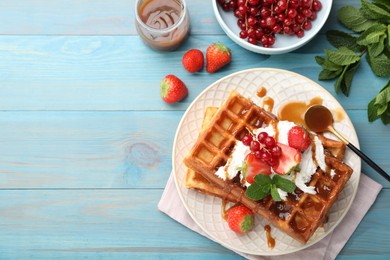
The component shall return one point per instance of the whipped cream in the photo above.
(308, 166)
(235, 161)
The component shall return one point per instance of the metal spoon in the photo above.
(319, 119)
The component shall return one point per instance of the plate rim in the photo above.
(193, 103)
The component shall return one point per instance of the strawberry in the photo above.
(240, 219)
(172, 89)
(288, 160)
(254, 166)
(193, 60)
(298, 138)
(217, 56)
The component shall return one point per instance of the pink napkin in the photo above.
(327, 248)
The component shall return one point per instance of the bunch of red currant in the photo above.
(264, 147)
(260, 20)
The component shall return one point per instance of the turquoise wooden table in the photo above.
(86, 141)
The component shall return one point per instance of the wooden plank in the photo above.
(122, 149)
(123, 224)
(86, 149)
(97, 224)
(109, 73)
(103, 17)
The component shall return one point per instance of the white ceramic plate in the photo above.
(282, 86)
(283, 43)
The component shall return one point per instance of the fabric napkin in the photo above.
(327, 248)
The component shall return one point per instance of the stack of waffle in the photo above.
(301, 214)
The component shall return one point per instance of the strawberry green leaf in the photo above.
(283, 183)
(274, 193)
(243, 168)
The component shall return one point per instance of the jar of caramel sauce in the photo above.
(162, 24)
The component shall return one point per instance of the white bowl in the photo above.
(283, 43)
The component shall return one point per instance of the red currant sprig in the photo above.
(260, 20)
(264, 147)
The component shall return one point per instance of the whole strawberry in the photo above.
(298, 138)
(172, 89)
(193, 60)
(240, 219)
(217, 56)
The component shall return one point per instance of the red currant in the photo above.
(255, 146)
(269, 142)
(252, 40)
(306, 25)
(317, 6)
(243, 34)
(261, 136)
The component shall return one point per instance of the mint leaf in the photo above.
(379, 107)
(320, 60)
(260, 188)
(348, 76)
(339, 82)
(384, 95)
(353, 19)
(374, 12)
(328, 74)
(342, 56)
(385, 4)
(284, 184)
(329, 65)
(274, 193)
(376, 49)
(341, 39)
(372, 112)
(380, 64)
(386, 116)
(372, 35)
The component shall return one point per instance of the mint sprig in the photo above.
(379, 107)
(369, 36)
(265, 185)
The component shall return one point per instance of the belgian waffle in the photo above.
(301, 214)
(195, 180)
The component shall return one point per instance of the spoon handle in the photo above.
(369, 161)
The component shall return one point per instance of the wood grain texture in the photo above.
(104, 72)
(86, 142)
(118, 224)
(102, 17)
(114, 149)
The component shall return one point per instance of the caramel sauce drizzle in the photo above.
(261, 92)
(270, 239)
(295, 110)
(268, 104)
